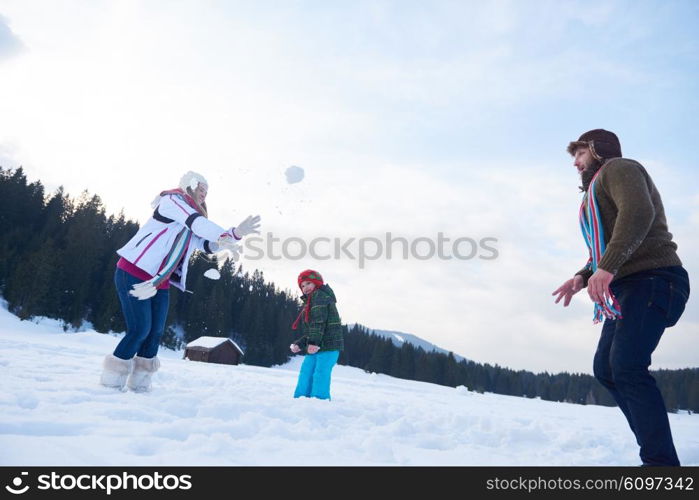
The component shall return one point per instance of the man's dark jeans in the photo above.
(650, 302)
(145, 319)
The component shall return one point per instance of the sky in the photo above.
(206, 414)
(409, 119)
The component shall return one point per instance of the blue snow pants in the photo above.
(145, 319)
(314, 377)
(651, 301)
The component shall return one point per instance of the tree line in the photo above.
(57, 259)
(378, 354)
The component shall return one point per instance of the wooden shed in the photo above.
(214, 350)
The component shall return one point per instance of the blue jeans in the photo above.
(145, 319)
(650, 302)
(314, 377)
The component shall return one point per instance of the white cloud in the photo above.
(10, 44)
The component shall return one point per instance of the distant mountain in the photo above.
(398, 338)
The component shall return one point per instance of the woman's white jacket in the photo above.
(151, 244)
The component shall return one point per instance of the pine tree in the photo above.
(84, 247)
(693, 398)
(31, 282)
(21, 205)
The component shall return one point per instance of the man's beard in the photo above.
(588, 174)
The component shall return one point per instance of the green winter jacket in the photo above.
(324, 328)
(633, 219)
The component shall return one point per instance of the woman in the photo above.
(155, 258)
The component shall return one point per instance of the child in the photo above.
(322, 336)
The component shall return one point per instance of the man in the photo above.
(635, 279)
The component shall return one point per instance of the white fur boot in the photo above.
(143, 370)
(115, 370)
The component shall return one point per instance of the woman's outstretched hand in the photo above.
(249, 225)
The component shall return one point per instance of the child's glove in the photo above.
(249, 225)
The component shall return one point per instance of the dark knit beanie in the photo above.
(312, 276)
(602, 143)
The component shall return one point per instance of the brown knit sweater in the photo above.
(635, 229)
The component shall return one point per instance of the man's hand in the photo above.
(568, 289)
(312, 349)
(598, 286)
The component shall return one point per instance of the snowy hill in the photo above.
(53, 412)
(399, 338)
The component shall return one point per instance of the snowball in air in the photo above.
(212, 274)
(294, 174)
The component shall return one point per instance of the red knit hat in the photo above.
(312, 276)
(315, 278)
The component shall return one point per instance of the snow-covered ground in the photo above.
(53, 412)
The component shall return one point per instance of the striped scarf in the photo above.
(593, 233)
(305, 309)
(149, 288)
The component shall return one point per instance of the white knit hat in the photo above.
(189, 180)
(192, 180)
